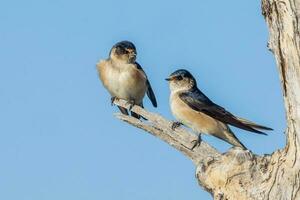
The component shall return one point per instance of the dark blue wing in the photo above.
(150, 92)
(199, 102)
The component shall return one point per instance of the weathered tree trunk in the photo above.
(239, 174)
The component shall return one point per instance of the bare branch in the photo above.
(179, 138)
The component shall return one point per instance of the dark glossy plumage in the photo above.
(150, 92)
(122, 46)
(125, 44)
(184, 73)
(201, 103)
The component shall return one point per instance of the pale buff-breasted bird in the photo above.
(195, 110)
(124, 78)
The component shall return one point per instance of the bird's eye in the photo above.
(179, 78)
(120, 50)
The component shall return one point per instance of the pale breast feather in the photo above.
(134, 82)
(123, 81)
(103, 71)
(109, 76)
(199, 122)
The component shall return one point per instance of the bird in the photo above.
(195, 110)
(124, 78)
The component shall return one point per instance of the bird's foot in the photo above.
(196, 142)
(112, 100)
(175, 125)
(131, 104)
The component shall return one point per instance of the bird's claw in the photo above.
(175, 125)
(131, 104)
(196, 142)
(112, 100)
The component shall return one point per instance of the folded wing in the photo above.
(199, 102)
(150, 92)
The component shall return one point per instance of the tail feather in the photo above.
(232, 139)
(235, 142)
(254, 125)
(229, 137)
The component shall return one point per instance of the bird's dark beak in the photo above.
(168, 79)
(132, 56)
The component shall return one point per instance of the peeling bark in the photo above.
(239, 174)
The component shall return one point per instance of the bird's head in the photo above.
(124, 51)
(181, 80)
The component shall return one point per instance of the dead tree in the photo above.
(239, 174)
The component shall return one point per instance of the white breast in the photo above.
(125, 82)
(179, 109)
(199, 122)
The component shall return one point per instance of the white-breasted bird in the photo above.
(195, 110)
(124, 78)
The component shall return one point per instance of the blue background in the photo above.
(58, 136)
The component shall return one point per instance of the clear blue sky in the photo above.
(58, 137)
